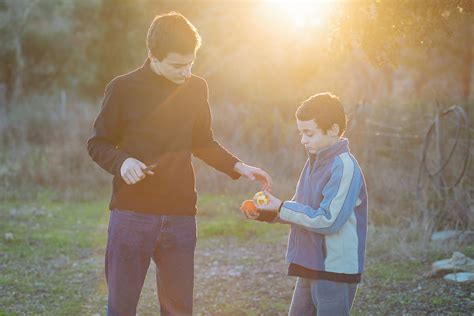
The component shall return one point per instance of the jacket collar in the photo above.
(328, 153)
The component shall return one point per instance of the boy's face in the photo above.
(174, 67)
(313, 138)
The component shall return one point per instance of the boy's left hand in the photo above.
(273, 204)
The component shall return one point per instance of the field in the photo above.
(52, 264)
(403, 71)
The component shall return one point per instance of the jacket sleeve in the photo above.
(340, 197)
(204, 145)
(106, 135)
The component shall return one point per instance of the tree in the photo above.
(15, 17)
(383, 28)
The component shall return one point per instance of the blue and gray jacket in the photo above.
(328, 215)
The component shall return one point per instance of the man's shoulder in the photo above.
(198, 81)
(125, 78)
(198, 78)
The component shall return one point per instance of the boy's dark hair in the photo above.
(325, 109)
(172, 33)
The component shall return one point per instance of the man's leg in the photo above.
(174, 258)
(333, 298)
(302, 302)
(131, 242)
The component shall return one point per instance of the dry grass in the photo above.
(43, 149)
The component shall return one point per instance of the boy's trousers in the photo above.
(136, 238)
(322, 298)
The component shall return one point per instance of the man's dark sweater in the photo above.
(147, 117)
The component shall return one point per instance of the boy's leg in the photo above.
(352, 293)
(131, 242)
(174, 258)
(333, 298)
(302, 302)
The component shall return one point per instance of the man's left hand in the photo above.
(254, 173)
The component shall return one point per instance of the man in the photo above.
(151, 121)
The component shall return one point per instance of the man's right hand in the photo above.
(133, 170)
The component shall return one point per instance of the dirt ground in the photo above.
(232, 280)
(54, 266)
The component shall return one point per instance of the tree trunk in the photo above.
(467, 57)
(17, 73)
(20, 17)
(3, 107)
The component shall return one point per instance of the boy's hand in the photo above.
(133, 170)
(254, 173)
(249, 209)
(272, 205)
(250, 214)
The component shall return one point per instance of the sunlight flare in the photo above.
(301, 14)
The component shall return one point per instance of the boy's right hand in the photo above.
(250, 214)
(249, 210)
(133, 170)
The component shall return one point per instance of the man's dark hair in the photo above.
(172, 33)
(325, 109)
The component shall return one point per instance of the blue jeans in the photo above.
(135, 238)
(322, 298)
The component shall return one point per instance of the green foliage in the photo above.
(383, 27)
(84, 44)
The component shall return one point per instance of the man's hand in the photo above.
(133, 170)
(272, 205)
(254, 173)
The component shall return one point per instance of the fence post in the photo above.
(3, 106)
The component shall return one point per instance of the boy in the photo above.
(328, 214)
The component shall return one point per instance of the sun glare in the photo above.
(301, 14)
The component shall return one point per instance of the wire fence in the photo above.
(425, 161)
(444, 161)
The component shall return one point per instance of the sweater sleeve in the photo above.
(340, 197)
(204, 145)
(103, 144)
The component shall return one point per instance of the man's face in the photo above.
(313, 138)
(174, 67)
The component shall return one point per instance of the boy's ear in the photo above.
(334, 130)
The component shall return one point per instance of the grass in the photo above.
(219, 217)
(46, 263)
(393, 272)
(51, 263)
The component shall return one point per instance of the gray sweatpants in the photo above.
(322, 298)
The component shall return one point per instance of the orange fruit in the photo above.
(248, 206)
